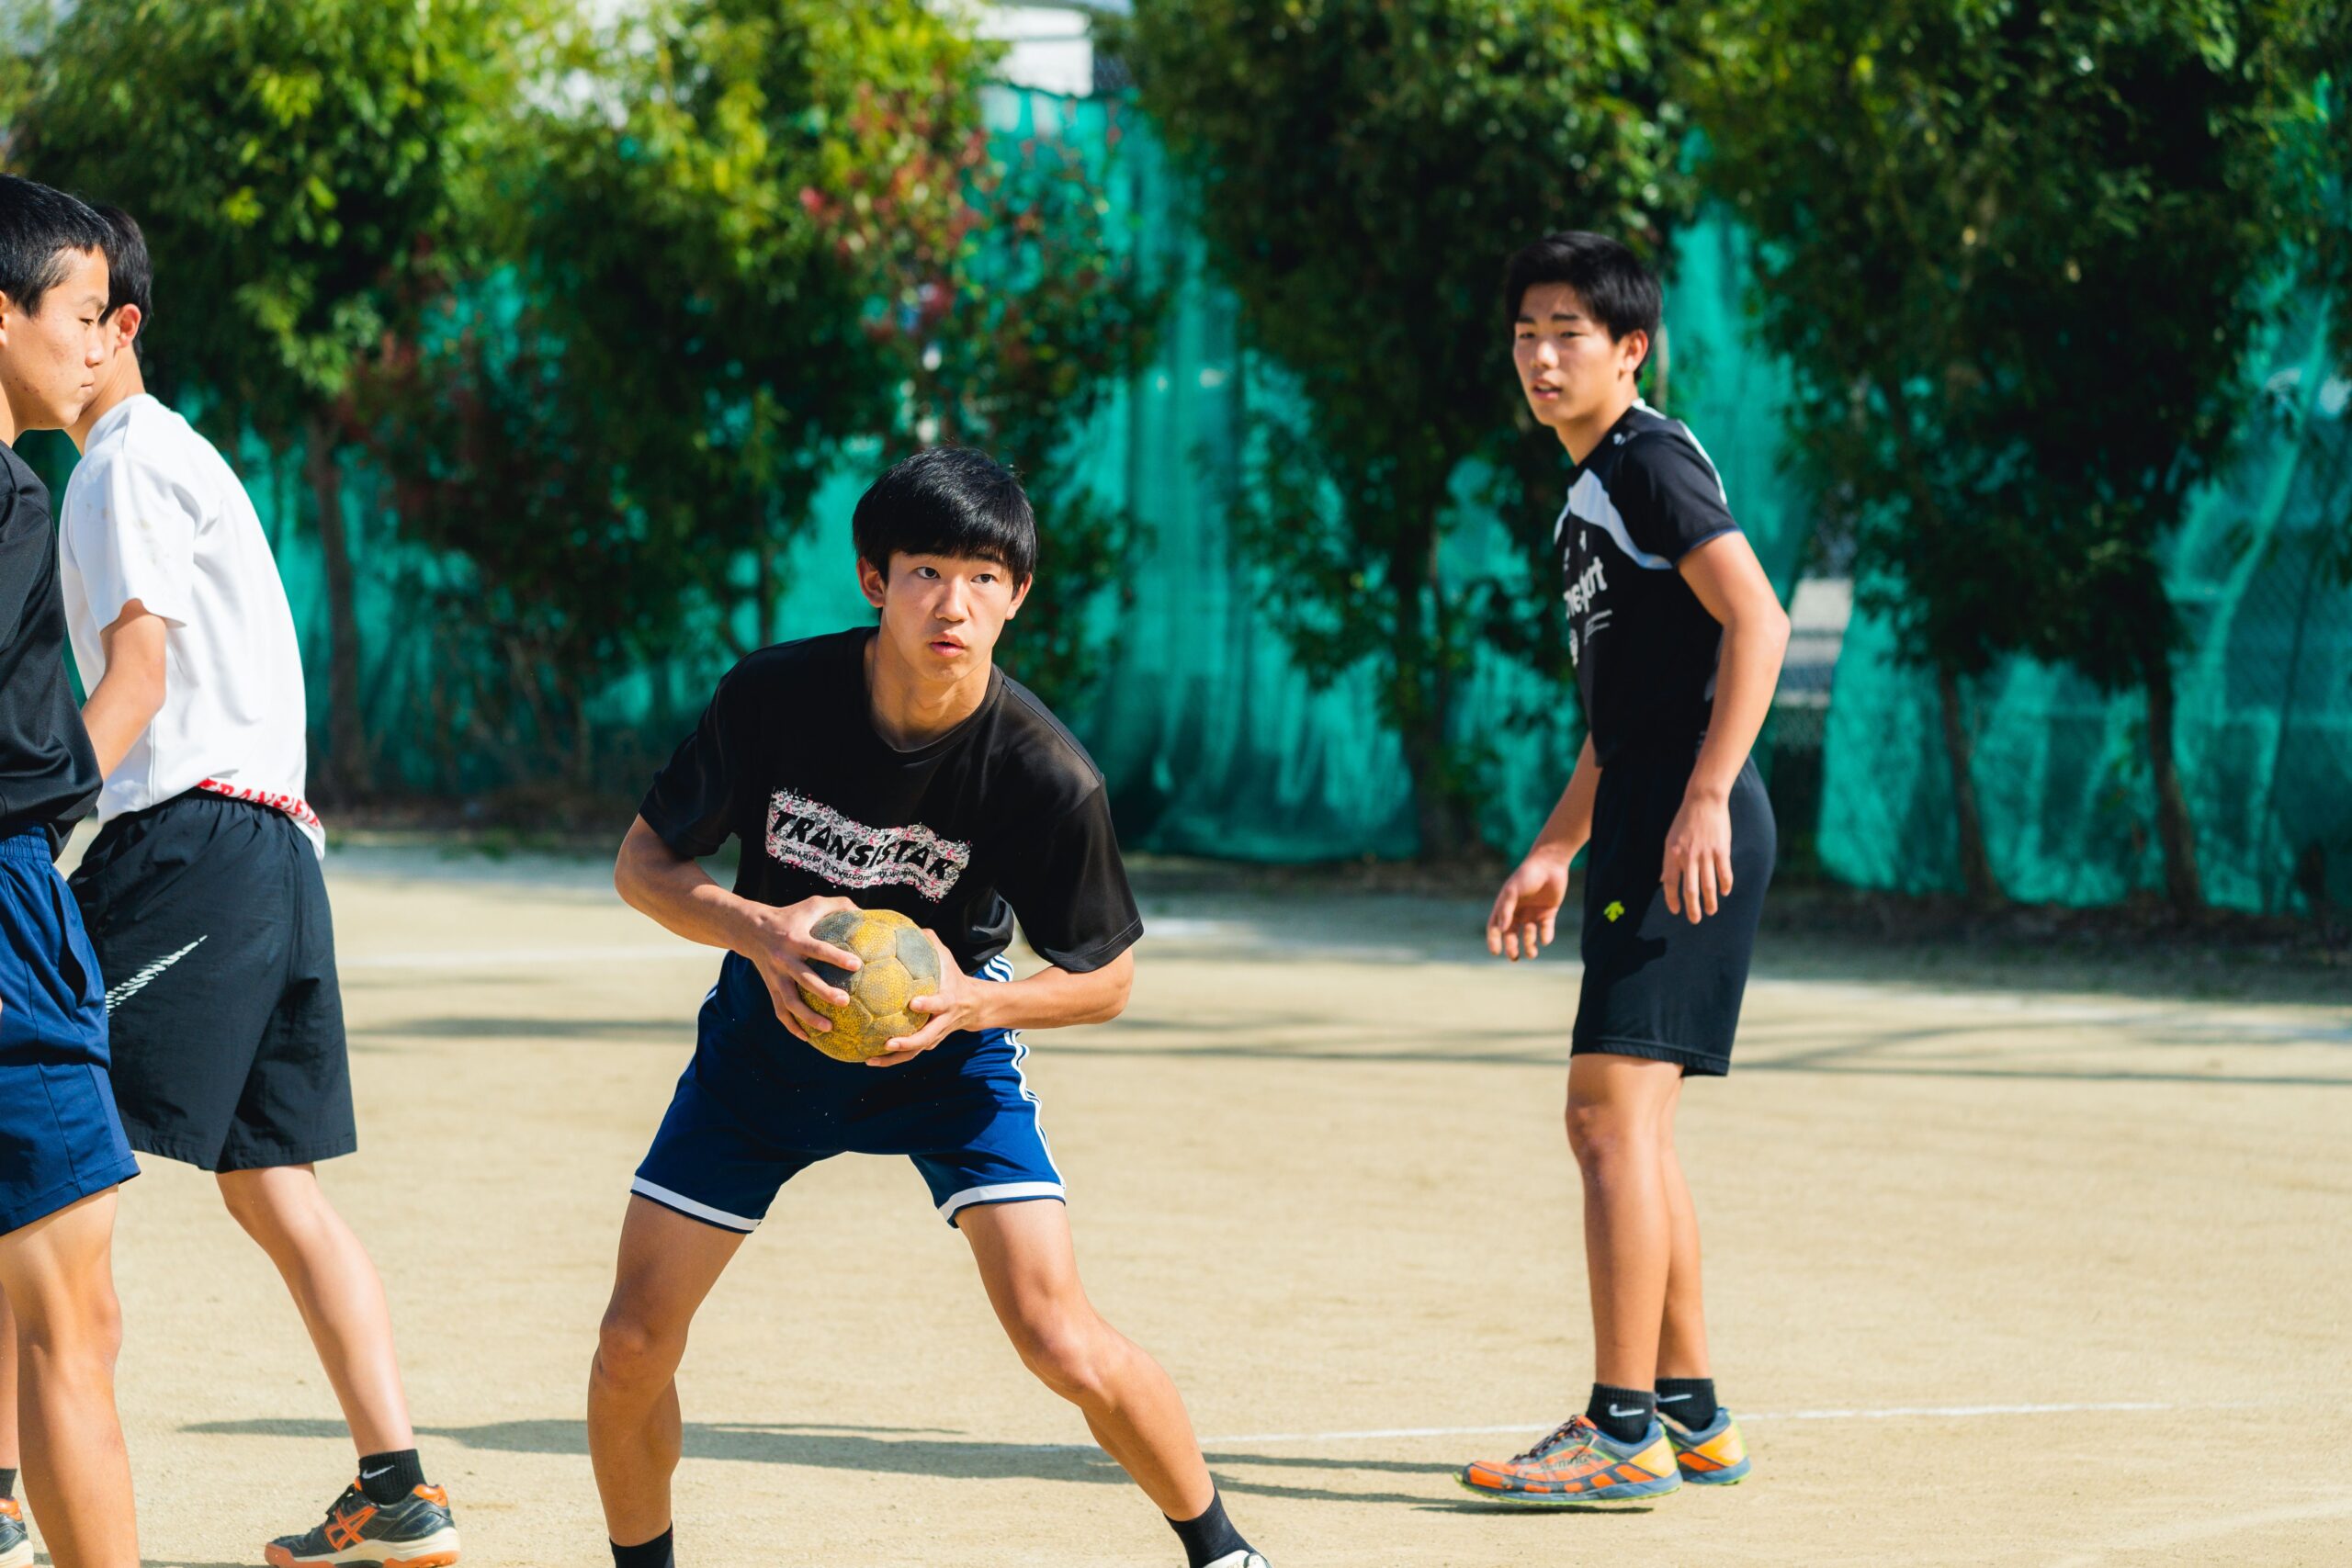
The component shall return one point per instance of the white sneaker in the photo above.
(1240, 1560)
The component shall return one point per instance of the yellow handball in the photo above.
(898, 965)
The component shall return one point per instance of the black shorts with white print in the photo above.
(210, 923)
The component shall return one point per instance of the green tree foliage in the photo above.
(2329, 241)
(544, 584)
(1013, 311)
(300, 168)
(1362, 167)
(772, 231)
(2013, 253)
(601, 310)
(677, 229)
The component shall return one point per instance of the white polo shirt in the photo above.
(153, 513)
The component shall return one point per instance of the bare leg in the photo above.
(1131, 1406)
(337, 1289)
(668, 1264)
(59, 1275)
(11, 1455)
(1682, 1336)
(1613, 1120)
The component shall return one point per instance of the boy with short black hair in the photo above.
(62, 1147)
(1677, 637)
(896, 763)
(204, 897)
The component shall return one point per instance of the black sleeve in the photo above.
(1071, 890)
(692, 803)
(1670, 496)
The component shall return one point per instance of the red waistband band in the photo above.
(294, 806)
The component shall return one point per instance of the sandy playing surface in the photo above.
(1994, 1278)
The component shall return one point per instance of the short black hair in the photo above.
(1622, 295)
(40, 228)
(130, 274)
(948, 500)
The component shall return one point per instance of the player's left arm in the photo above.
(1053, 997)
(1729, 580)
(131, 693)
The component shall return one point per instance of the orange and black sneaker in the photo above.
(16, 1545)
(416, 1532)
(1579, 1466)
(1714, 1455)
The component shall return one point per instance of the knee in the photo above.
(262, 1205)
(1071, 1350)
(79, 1334)
(1604, 1138)
(634, 1354)
(106, 1325)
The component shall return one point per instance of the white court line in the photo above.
(1925, 1411)
(536, 957)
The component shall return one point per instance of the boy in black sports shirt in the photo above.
(896, 767)
(62, 1152)
(1677, 636)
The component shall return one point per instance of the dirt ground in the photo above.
(1995, 1276)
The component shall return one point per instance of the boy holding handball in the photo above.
(898, 766)
(1677, 637)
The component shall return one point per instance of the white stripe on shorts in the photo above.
(1003, 1193)
(686, 1205)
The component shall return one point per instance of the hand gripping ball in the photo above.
(899, 964)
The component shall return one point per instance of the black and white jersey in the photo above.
(1644, 648)
(1004, 814)
(49, 775)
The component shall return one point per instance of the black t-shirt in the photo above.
(1003, 815)
(1644, 648)
(49, 776)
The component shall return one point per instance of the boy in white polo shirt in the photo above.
(203, 895)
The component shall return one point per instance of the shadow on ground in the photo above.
(904, 1452)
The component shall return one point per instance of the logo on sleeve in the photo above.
(815, 838)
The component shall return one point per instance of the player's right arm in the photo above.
(1527, 910)
(674, 890)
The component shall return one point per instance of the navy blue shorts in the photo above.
(758, 1106)
(60, 1138)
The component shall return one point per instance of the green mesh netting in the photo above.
(1214, 744)
(2265, 732)
(1212, 740)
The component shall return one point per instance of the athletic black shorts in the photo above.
(1654, 985)
(210, 921)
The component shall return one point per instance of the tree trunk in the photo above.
(1438, 808)
(347, 749)
(2175, 833)
(1975, 862)
(1425, 708)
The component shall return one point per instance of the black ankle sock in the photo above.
(7, 1483)
(1624, 1413)
(1210, 1537)
(1690, 1401)
(654, 1553)
(388, 1478)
